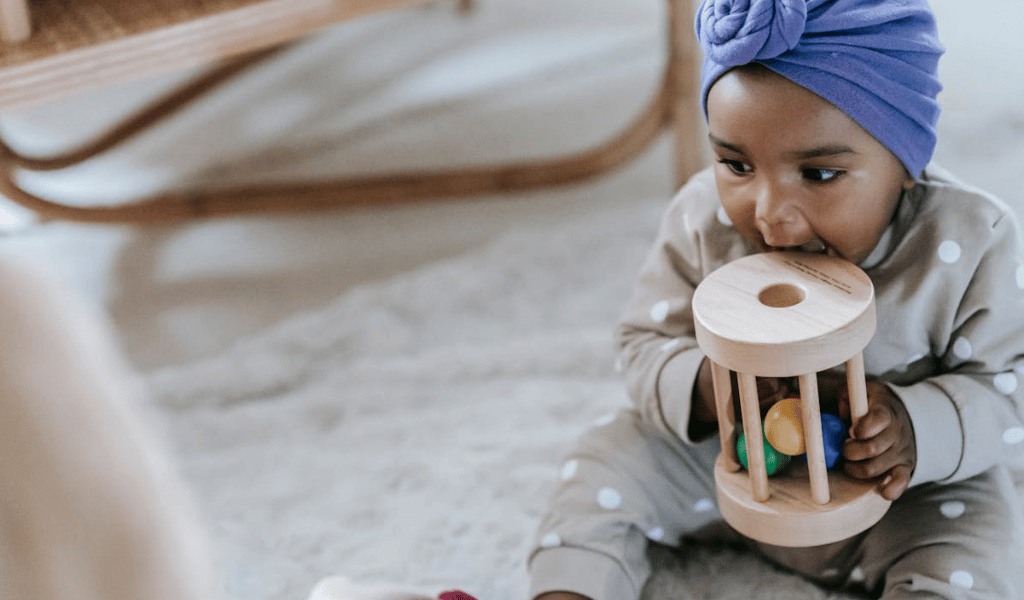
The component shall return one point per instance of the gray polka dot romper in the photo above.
(949, 286)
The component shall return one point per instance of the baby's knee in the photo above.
(951, 571)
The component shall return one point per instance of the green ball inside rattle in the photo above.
(774, 461)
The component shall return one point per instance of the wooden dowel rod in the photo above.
(752, 429)
(687, 120)
(146, 117)
(726, 411)
(15, 21)
(813, 438)
(856, 385)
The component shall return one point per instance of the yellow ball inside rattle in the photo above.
(784, 428)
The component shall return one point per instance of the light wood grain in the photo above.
(752, 428)
(813, 438)
(725, 409)
(87, 44)
(779, 315)
(857, 388)
(790, 517)
(15, 21)
(689, 132)
(736, 329)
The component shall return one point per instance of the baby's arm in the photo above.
(658, 352)
(964, 397)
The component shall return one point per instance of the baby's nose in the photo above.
(785, 231)
(780, 222)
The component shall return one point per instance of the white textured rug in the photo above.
(412, 430)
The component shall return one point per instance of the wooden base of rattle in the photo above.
(785, 314)
(789, 517)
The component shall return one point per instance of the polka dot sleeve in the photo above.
(658, 354)
(968, 414)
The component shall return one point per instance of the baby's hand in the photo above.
(882, 443)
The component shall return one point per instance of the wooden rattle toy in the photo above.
(786, 314)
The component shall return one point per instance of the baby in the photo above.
(821, 115)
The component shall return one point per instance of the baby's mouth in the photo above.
(815, 246)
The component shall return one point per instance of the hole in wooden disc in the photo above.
(782, 295)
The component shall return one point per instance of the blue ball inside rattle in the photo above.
(834, 433)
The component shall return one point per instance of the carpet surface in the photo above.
(412, 430)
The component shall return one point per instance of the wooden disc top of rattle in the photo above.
(782, 314)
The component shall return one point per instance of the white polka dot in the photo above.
(961, 579)
(723, 217)
(609, 498)
(551, 540)
(659, 312)
(1013, 436)
(704, 505)
(913, 359)
(656, 533)
(1020, 276)
(830, 572)
(604, 420)
(949, 251)
(569, 469)
(952, 509)
(857, 574)
(671, 344)
(962, 348)
(619, 365)
(1005, 382)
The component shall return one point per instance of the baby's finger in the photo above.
(872, 457)
(869, 468)
(866, 448)
(878, 418)
(895, 482)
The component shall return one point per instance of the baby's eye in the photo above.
(736, 166)
(821, 175)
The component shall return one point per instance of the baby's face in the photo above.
(795, 171)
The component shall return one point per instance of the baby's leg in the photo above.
(622, 485)
(90, 507)
(962, 540)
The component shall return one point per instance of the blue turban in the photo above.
(876, 60)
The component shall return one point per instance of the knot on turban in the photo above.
(739, 31)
